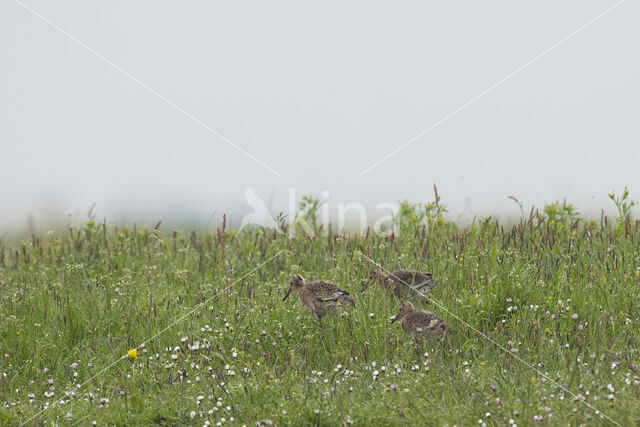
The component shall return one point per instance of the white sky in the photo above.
(318, 91)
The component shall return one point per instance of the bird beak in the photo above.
(394, 319)
(287, 294)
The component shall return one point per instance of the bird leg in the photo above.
(418, 346)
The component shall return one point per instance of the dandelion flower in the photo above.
(132, 354)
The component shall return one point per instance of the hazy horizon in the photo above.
(166, 111)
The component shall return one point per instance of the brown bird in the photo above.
(320, 297)
(420, 324)
(404, 283)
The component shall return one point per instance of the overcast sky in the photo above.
(169, 110)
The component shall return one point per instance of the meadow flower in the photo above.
(537, 417)
(575, 315)
(132, 354)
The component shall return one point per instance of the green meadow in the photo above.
(544, 315)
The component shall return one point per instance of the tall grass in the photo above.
(559, 292)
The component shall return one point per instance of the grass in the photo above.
(216, 344)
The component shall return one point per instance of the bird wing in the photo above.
(402, 276)
(327, 291)
(424, 318)
(411, 278)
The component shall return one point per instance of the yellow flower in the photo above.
(461, 259)
(132, 354)
(546, 329)
(637, 273)
(482, 363)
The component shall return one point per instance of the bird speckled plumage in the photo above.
(319, 297)
(405, 283)
(420, 324)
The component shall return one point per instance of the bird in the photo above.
(404, 283)
(420, 324)
(319, 297)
